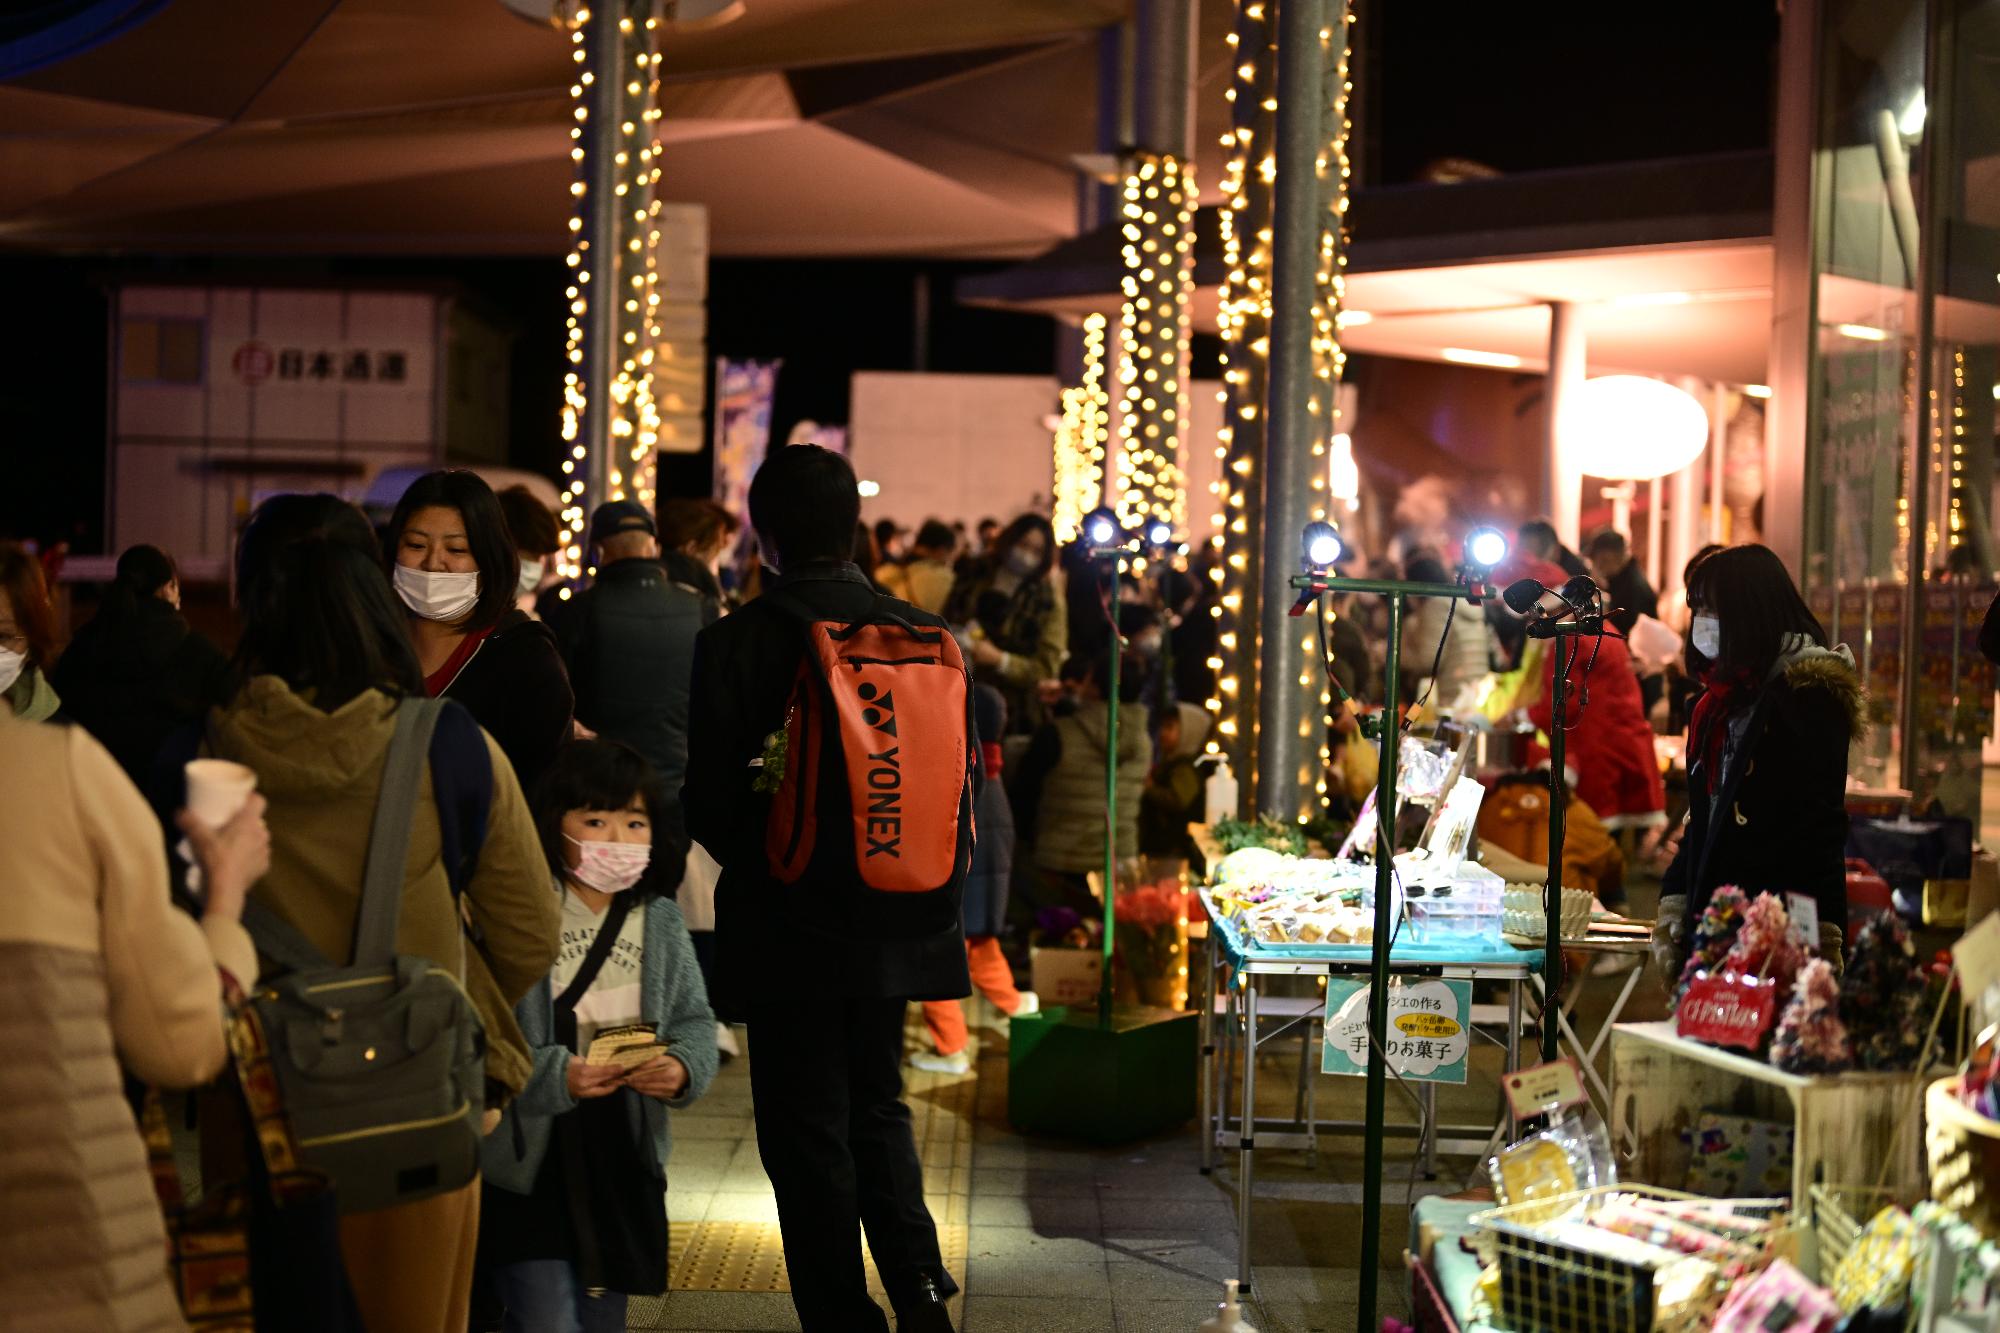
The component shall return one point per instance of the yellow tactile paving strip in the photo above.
(750, 1256)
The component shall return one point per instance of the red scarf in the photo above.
(1708, 727)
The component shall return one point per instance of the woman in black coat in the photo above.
(137, 672)
(1767, 752)
(455, 568)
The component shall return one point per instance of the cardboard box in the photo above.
(1066, 976)
(1983, 894)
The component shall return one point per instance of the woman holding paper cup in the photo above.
(456, 569)
(621, 1031)
(326, 658)
(98, 970)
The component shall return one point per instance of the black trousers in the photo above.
(826, 1079)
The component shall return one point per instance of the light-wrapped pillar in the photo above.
(1082, 435)
(1153, 338)
(1244, 317)
(610, 422)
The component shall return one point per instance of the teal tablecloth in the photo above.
(1465, 953)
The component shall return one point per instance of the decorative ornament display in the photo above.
(1714, 934)
(1810, 1038)
(1882, 996)
(1765, 944)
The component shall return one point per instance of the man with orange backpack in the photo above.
(831, 771)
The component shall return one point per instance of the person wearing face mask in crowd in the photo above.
(629, 642)
(695, 535)
(454, 565)
(536, 539)
(573, 1219)
(1767, 752)
(325, 656)
(136, 673)
(1023, 636)
(27, 639)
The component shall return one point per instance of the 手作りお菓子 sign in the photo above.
(1430, 1029)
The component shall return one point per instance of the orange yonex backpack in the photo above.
(879, 762)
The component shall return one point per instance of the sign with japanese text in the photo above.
(1430, 1029)
(255, 362)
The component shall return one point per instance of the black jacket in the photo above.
(515, 687)
(629, 641)
(1631, 597)
(1778, 819)
(745, 666)
(135, 675)
(684, 571)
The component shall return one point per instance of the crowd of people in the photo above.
(598, 844)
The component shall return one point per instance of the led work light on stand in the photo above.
(1319, 548)
(1108, 544)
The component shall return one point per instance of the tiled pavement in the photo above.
(1047, 1236)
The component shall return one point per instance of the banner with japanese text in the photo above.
(1430, 1028)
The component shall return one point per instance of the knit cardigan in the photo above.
(671, 998)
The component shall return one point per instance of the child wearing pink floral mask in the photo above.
(573, 1220)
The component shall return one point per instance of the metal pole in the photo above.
(1283, 705)
(1378, 969)
(605, 46)
(1110, 806)
(1165, 77)
(1566, 375)
(1552, 894)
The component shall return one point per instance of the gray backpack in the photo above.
(381, 1064)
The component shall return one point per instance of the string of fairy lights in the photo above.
(1243, 317)
(1244, 320)
(626, 275)
(1083, 435)
(1154, 332)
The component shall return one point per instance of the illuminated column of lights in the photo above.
(1956, 498)
(1153, 337)
(1329, 360)
(610, 421)
(1082, 435)
(1244, 320)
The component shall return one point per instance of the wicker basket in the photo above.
(1547, 1286)
(1839, 1215)
(1964, 1149)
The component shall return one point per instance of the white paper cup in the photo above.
(217, 789)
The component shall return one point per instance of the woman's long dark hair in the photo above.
(606, 775)
(318, 612)
(142, 572)
(1751, 593)
(486, 534)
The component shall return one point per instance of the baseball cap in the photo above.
(616, 516)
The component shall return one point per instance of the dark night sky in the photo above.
(1515, 87)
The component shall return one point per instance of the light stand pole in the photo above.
(1397, 594)
(1113, 556)
(1561, 635)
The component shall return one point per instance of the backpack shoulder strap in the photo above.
(389, 837)
(462, 784)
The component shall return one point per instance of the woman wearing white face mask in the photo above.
(576, 1171)
(456, 570)
(1012, 597)
(532, 527)
(27, 638)
(1767, 751)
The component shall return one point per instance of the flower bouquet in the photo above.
(1151, 940)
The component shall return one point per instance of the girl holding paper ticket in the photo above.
(574, 1220)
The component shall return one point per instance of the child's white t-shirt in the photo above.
(613, 999)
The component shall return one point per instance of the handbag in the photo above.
(262, 1252)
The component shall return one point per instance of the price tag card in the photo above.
(1804, 911)
(1978, 955)
(1544, 1088)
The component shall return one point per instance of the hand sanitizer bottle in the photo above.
(1221, 793)
(1228, 1315)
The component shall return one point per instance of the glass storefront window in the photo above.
(1900, 488)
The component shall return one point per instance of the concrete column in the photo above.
(1799, 185)
(1164, 102)
(1565, 377)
